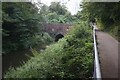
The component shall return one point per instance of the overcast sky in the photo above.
(72, 5)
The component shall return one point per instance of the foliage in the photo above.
(71, 57)
(21, 24)
(56, 13)
(21, 27)
(106, 14)
(56, 7)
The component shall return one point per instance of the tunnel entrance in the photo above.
(57, 37)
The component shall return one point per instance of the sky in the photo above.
(72, 5)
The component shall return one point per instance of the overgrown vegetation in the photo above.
(106, 15)
(21, 27)
(22, 24)
(71, 57)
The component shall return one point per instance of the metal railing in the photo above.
(97, 71)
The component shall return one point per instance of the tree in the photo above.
(56, 7)
(105, 12)
(20, 25)
(56, 12)
(106, 15)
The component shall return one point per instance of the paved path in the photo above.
(108, 53)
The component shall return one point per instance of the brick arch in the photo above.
(54, 29)
(58, 36)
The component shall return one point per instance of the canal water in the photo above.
(14, 59)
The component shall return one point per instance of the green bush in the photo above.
(70, 57)
(39, 41)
